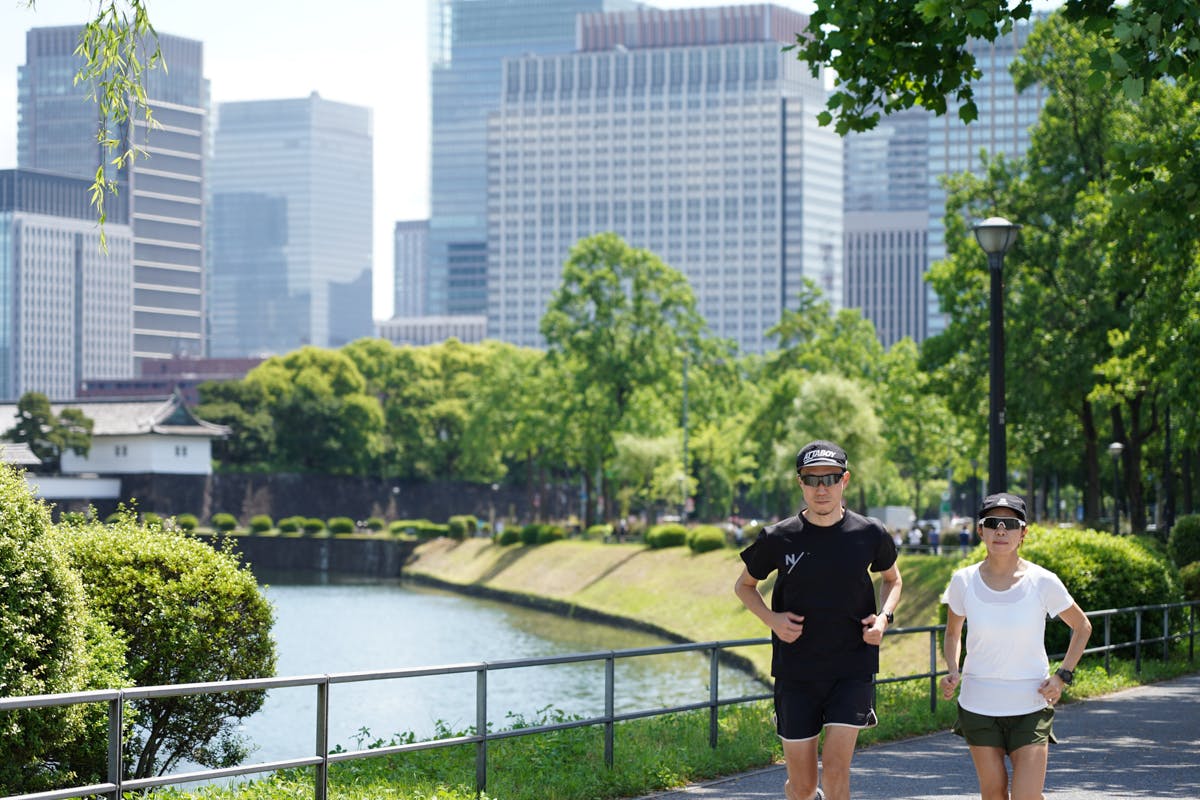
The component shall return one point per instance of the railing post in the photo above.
(321, 787)
(481, 730)
(609, 706)
(713, 696)
(1166, 632)
(1108, 644)
(933, 671)
(1192, 634)
(1137, 643)
(116, 765)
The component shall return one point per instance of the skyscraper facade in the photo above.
(163, 191)
(66, 305)
(470, 39)
(688, 133)
(411, 256)
(291, 225)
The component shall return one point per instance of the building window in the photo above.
(181, 451)
(120, 450)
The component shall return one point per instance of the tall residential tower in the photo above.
(291, 221)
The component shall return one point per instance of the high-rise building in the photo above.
(887, 225)
(470, 39)
(895, 203)
(291, 225)
(66, 305)
(164, 190)
(688, 133)
(411, 257)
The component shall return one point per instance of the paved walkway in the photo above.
(1141, 743)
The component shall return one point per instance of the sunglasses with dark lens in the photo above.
(821, 480)
(996, 523)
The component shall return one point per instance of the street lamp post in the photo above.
(1115, 449)
(996, 235)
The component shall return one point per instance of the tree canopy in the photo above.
(891, 56)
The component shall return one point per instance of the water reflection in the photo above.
(331, 624)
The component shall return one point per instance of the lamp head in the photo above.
(996, 235)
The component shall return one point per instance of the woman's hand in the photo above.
(1052, 689)
(949, 683)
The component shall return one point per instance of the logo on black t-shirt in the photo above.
(790, 560)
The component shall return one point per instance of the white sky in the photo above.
(371, 53)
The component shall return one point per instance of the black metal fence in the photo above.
(322, 758)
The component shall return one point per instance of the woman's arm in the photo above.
(952, 649)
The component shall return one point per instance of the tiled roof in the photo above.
(129, 417)
(18, 453)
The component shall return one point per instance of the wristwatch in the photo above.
(1065, 675)
(890, 617)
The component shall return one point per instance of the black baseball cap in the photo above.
(1003, 500)
(820, 454)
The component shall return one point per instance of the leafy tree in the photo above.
(187, 614)
(47, 434)
(243, 406)
(621, 320)
(49, 643)
(891, 56)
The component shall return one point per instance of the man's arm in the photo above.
(890, 586)
(786, 625)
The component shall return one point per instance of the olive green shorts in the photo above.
(1009, 733)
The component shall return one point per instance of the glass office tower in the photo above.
(470, 38)
(688, 133)
(291, 202)
(164, 190)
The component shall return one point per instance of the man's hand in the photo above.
(787, 626)
(873, 627)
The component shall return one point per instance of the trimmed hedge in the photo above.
(224, 522)
(704, 538)
(550, 533)
(186, 522)
(1190, 577)
(313, 525)
(511, 535)
(291, 524)
(376, 524)
(461, 526)
(601, 531)
(1184, 543)
(668, 534)
(341, 525)
(261, 523)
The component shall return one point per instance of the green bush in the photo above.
(313, 525)
(376, 524)
(73, 518)
(187, 613)
(529, 533)
(602, 531)
(402, 527)
(186, 522)
(50, 642)
(152, 520)
(1184, 543)
(261, 523)
(1189, 576)
(511, 535)
(290, 524)
(1100, 571)
(668, 534)
(224, 522)
(550, 533)
(462, 526)
(704, 538)
(113, 518)
(342, 525)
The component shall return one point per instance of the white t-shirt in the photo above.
(1006, 638)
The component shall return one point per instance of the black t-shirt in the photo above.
(822, 575)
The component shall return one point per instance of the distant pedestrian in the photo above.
(964, 539)
(914, 538)
(825, 631)
(1006, 706)
(935, 538)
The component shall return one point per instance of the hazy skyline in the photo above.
(363, 52)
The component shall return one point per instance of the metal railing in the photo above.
(321, 759)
